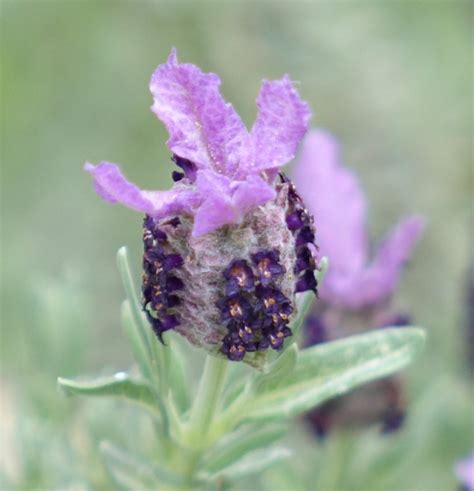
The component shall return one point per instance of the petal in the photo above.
(251, 193)
(333, 195)
(113, 187)
(281, 123)
(227, 201)
(379, 280)
(394, 251)
(217, 208)
(209, 183)
(203, 128)
(464, 470)
(213, 213)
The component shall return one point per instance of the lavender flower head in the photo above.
(464, 470)
(355, 296)
(226, 248)
(333, 195)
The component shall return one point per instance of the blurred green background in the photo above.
(392, 80)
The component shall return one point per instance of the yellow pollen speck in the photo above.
(239, 274)
(235, 309)
(269, 301)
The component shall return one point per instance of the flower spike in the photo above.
(227, 247)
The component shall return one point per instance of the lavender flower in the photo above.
(224, 255)
(356, 293)
(333, 195)
(464, 470)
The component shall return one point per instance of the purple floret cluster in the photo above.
(160, 285)
(255, 311)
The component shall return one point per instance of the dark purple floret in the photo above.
(158, 283)
(174, 222)
(172, 261)
(235, 352)
(305, 236)
(151, 230)
(169, 322)
(268, 266)
(188, 167)
(246, 334)
(300, 223)
(235, 308)
(173, 283)
(177, 176)
(239, 277)
(307, 282)
(269, 299)
(296, 220)
(304, 260)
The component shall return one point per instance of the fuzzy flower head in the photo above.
(229, 245)
(355, 295)
(333, 195)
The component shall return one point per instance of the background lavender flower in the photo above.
(464, 470)
(356, 293)
(333, 195)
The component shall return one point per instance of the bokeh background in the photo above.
(392, 80)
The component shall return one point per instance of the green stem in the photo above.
(203, 412)
(207, 398)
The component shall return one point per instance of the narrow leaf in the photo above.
(130, 290)
(157, 355)
(330, 369)
(236, 445)
(133, 334)
(179, 382)
(119, 385)
(135, 472)
(279, 369)
(323, 266)
(253, 463)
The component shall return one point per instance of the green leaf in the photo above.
(133, 334)
(119, 385)
(236, 445)
(322, 269)
(252, 463)
(130, 472)
(153, 357)
(179, 382)
(331, 369)
(278, 370)
(135, 307)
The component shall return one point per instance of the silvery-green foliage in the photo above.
(228, 428)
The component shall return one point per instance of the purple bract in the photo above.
(356, 292)
(228, 170)
(333, 195)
